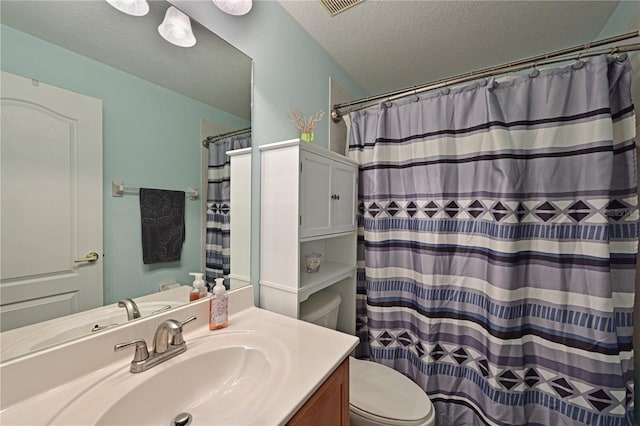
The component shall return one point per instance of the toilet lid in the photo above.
(383, 392)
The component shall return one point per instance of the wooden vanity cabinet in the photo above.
(329, 405)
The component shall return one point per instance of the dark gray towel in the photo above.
(162, 218)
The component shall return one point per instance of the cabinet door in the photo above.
(344, 198)
(329, 405)
(315, 195)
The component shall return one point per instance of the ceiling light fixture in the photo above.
(176, 28)
(234, 7)
(131, 7)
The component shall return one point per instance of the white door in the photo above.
(344, 201)
(51, 202)
(315, 195)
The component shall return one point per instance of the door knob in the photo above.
(89, 257)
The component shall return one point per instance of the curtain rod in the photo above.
(213, 139)
(544, 59)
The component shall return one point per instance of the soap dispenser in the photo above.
(219, 307)
(198, 290)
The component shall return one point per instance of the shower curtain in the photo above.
(217, 257)
(498, 241)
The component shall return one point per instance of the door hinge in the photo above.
(300, 220)
(301, 167)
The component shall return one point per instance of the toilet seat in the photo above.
(383, 395)
(371, 419)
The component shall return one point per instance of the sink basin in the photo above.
(222, 378)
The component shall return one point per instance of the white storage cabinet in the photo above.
(308, 205)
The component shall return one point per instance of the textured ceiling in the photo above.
(384, 44)
(212, 72)
(389, 44)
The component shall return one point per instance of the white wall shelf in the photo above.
(329, 273)
(322, 237)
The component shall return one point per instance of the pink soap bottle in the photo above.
(219, 306)
(198, 290)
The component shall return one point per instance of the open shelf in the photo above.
(329, 273)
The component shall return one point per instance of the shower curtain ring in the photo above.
(579, 62)
(534, 72)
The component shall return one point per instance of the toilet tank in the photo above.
(321, 308)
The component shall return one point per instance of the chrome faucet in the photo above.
(132, 309)
(167, 343)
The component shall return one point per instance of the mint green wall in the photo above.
(619, 19)
(290, 70)
(151, 138)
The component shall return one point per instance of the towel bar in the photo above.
(118, 189)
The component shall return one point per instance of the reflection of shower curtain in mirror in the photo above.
(218, 207)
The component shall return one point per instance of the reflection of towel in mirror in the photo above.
(162, 218)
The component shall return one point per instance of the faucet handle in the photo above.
(177, 339)
(141, 354)
(188, 320)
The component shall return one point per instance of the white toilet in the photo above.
(378, 395)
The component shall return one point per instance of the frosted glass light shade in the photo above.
(176, 28)
(234, 7)
(131, 7)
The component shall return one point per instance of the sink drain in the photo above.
(182, 419)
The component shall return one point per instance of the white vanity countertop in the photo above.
(310, 354)
(313, 354)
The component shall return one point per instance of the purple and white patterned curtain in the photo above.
(217, 257)
(499, 236)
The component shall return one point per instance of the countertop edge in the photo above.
(313, 353)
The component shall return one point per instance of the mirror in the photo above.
(151, 140)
